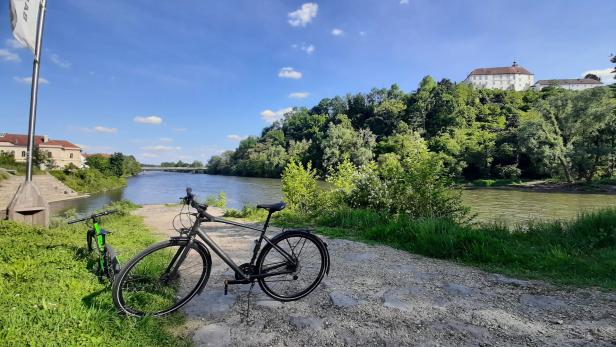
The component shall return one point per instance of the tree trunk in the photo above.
(566, 169)
(593, 170)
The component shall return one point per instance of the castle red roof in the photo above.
(22, 140)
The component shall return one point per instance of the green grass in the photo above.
(498, 182)
(89, 180)
(49, 296)
(581, 252)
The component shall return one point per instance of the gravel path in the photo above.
(379, 296)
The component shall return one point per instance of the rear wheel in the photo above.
(292, 279)
(148, 286)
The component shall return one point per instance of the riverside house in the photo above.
(60, 152)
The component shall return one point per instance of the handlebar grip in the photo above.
(76, 221)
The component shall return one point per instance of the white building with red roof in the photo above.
(570, 84)
(512, 77)
(60, 152)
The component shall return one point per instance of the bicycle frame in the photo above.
(196, 230)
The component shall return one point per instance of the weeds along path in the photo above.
(376, 295)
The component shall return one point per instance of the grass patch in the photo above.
(580, 252)
(89, 180)
(48, 294)
(499, 182)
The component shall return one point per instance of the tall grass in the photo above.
(577, 252)
(49, 295)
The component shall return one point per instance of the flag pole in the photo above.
(35, 83)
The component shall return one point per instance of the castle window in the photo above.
(23, 154)
(71, 155)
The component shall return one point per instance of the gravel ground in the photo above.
(379, 296)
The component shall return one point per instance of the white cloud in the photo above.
(7, 55)
(162, 148)
(337, 32)
(235, 137)
(299, 95)
(155, 120)
(100, 129)
(271, 116)
(362, 33)
(14, 44)
(304, 15)
(149, 155)
(179, 130)
(28, 80)
(166, 139)
(289, 72)
(404, 2)
(606, 75)
(62, 63)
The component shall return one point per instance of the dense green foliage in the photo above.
(474, 133)
(7, 161)
(48, 294)
(88, 180)
(180, 163)
(103, 173)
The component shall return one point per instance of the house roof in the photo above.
(22, 140)
(568, 81)
(501, 71)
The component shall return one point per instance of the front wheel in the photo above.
(294, 267)
(162, 278)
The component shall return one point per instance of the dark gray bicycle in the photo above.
(165, 276)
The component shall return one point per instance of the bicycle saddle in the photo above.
(279, 206)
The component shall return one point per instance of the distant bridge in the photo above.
(174, 169)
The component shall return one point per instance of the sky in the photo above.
(171, 80)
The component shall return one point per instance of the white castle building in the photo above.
(570, 84)
(505, 78)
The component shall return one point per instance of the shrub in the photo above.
(217, 201)
(508, 171)
(299, 185)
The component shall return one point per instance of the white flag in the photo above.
(24, 18)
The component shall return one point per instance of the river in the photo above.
(491, 205)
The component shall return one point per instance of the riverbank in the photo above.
(378, 295)
(542, 186)
(49, 295)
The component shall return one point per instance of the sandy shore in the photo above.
(379, 296)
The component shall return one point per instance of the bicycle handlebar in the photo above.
(96, 215)
(189, 199)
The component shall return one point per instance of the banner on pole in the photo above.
(24, 18)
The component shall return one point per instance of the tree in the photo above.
(593, 77)
(98, 162)
(342, 142)
(196, 163)
(116, 164)
(131, 166)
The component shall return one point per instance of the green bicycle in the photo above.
(107, 265)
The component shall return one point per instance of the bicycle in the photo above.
(167, 275)
(107, 264)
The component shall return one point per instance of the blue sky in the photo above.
(169, 80)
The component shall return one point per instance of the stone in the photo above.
(457, 289)
(300, 322)
(211, 303)
(342, 300)
(395, 298)
(542, 301)
(213, 335)
(500, 279)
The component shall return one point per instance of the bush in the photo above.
(88, 180)
(299, 186)
(508, 171)
(217, 201)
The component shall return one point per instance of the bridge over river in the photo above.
(175, 169)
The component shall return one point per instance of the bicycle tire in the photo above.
(282, 241)
(162, 291)
(112, 265)
(90, 239)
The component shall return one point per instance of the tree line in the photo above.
(475, 133)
